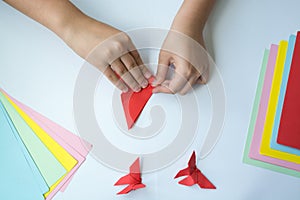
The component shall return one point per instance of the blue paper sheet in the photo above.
(285, 77)
(50, 168)
(17, 178)
(37, 174)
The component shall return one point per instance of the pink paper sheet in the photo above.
(77, 147)
(260, 120)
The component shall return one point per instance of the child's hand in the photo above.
(184, 49)
(181, 51)
(115, 55)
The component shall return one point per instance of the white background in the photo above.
(37, 68)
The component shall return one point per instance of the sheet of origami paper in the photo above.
(265, 148)
(285, 76)
(251, 151)
(60, 141)
(66, 159)
(57, 132)
(48, 165)
(289, 128)
(37, 174)
(17, 178)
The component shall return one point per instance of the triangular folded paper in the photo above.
(134, 102)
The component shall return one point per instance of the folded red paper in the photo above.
(134, 102)
(133, 179)
(194, 175)
(289, 128)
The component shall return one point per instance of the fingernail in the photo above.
(148, 75)
(154, 83)
(125, 89)
(137, 89)
(144, 83)
(165, 84)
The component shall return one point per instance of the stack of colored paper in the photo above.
(39, 157)
(273, 140)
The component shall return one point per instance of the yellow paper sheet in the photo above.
(67, 161)
(265, 148)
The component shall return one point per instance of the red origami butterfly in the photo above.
(133, 178)
(194, 175)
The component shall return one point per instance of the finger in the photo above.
(110, 74)
(183, 72)
(140, 63)
(162, 68)
(134, 70)
(188, 85)
(163, 88)
(118, 67)
(177, 82)
(203, 79)
(122, 71)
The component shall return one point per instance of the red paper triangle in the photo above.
(134, 102)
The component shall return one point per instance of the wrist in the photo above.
(188, 26)
(69, 24)
(191, 18)
(83, 33)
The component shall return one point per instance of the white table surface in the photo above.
(37, 68)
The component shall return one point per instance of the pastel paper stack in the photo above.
(39, 157)
(273, 140)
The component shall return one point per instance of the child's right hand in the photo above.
(115, 57)
(110, 50)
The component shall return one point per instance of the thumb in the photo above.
(163, 88)
(162, 68)
(203, 79)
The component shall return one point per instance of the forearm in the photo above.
(192, 16)
(56, 15)
(116, 57)
(79, 31)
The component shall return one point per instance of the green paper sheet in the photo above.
(246, 158)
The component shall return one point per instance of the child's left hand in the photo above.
(190, 62)
(184, 49)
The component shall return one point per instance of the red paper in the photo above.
(133, 178)
(194, 175)
(289, 128)
(134, 102)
